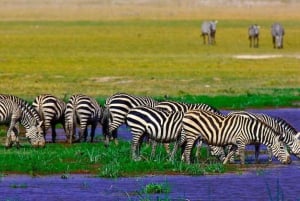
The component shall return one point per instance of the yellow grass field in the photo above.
(147, 47)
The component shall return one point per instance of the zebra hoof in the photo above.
(137, 159)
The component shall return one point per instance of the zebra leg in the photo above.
(257, 150)
(270, 154)
(53, 133)
(198, 148)
(153, 147)
(241, 150)
(187, 151)
(135, 147)
(93, 129)
(232, 151)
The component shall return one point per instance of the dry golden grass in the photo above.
(148, 9)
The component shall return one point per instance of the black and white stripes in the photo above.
(82, 110)
(155, 124)
(235, 130)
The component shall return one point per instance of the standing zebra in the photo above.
(82, 110)
(51, 110)
(236, 130)
(208, 28)
(288, 133)
(158, 125)
(253, 33)
(117, 107)
(277, 32)
(11, 113)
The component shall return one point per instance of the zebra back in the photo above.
(117, 107)
(179, 106)
(23, 105)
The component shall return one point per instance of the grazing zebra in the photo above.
(117, 107)
(82, 110)
(288, 132)
(12, 113)
(170, 106)
(277, 32)
(158, 125)
(51, 110)
(235, 130)
(253, 33)
(208, 28)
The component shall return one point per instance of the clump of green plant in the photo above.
(154, 188)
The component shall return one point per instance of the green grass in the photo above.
(95, 159)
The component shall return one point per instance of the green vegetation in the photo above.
(94, 158)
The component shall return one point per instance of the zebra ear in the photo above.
(281, 138)
(40, 124)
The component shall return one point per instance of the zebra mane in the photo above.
(285, 124)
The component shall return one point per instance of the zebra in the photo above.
(288, 132)
(208, 28)
(253, 33)
(51, 110)
(236, 130)
(12, 113)
(277, 32)
(116, 108)
(83, 110)
(158, 125)
(184, 107)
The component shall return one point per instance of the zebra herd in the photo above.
(209, 28)
(185, 125)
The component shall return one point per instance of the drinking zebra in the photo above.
(51, 110)
(12, 113)
(288, 133)
(253, 33)
(235, 130)
(208, 28)
(170, 106)
(158, 125)
(116, 109)
(82, 110)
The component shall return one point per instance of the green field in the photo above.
(144, 56)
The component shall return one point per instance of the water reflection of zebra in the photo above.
(51, 110)
(82, 110)
(13, 113)
(158, 125)
(236, 130)
(288, 133)
(117, 107)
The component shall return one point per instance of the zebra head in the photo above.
(279, 150)
(35, 135)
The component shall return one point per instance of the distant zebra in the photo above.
(82, 110)
(235, 130)
(158, 125)
(253, 33)
(51, 110)
(12, 113)
(184, 107)
(208, 28)
(116, 108)
(277, 32)
(288, 133)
